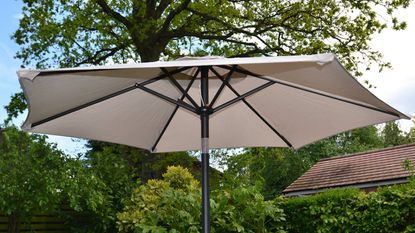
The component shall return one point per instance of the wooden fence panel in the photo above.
(41, 223)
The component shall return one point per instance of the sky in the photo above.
(10, 11)
(395, 86)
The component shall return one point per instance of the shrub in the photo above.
(173, 205)
(390, 209)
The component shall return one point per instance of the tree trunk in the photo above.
(13, 223)
(150, 53)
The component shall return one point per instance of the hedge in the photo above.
(173, 205)
(390, 209)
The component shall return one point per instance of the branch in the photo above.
(250, 53)
(97, 57)
(228, 26)
(150, 8)
(264, 52)
(117, 16)
(161, 7)
(173, 14)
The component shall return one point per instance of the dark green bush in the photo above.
(173, 205)
(390, 209)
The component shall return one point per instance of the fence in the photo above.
(41, 223)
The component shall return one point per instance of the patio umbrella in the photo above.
(236, 102)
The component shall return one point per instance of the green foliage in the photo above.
(173, 205)
(390, 209)
(276, 168)
(410, 136)
(29, 168)
(331, 211)
(85, 199)
(112, 165)
(16, 106)
(138, 163)
(392, 135)
(162, 204)
(243, 209)
(273, 168)
(74, 32)
(35, 177)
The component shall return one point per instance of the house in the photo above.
(366, 171)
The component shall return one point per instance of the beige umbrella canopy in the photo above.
(237, 102)
(301, 99)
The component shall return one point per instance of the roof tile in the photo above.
(372, 166)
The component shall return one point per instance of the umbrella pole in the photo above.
(204, 121)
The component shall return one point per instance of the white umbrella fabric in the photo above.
(287, 101)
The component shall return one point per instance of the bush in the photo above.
(390, 209)
(331, 211)
(173, 205)
(243, 209)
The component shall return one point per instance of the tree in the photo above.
(27, 181)
(392, 135)
(276, 168)
(138, 163)
(74, 32)
(35, 177)
(410, 136)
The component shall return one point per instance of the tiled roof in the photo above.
(367, 167)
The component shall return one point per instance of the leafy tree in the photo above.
(358, 140)
(276, 168)
(86, 202)
(410, 136)
(16, 106)
(138, 163)
(27, 176)
(111, 166)
(173, 205)
(35, 177)
(74, 32)
(392, 135)
(273, 169)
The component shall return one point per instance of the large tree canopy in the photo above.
(61, 33)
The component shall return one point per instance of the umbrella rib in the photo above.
(254, 110)
(311, 91)
(120, 92)
(174, 112)
(228, 77)
(179, 102)
(61, 114)
(175, 83)
(243, 96)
